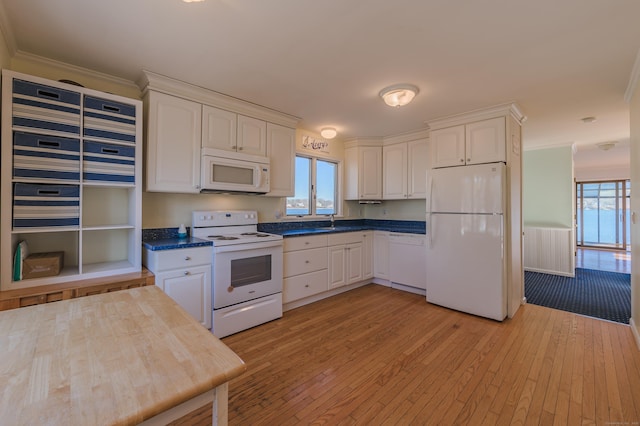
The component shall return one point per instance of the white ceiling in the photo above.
(326, 60)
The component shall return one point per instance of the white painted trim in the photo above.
(560, 145)
(635, 331)
(406, 137)
(350, 143)
(75, 69)
(633, 79)
(510, 108)
(171, 86)
(7, 31)
(550, 272)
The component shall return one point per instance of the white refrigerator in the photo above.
(466, 265)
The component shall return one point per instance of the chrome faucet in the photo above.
(332, 222)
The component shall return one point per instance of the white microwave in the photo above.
(228, 171)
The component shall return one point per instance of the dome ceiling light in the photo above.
(399, 94)
(328, 132)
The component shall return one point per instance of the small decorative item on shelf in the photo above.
(182, 231)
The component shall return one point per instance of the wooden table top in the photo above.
(115, 358)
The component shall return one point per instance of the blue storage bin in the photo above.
(45, 205)
(45, 157)
(37, 107)
(109, 121)
(110, 163)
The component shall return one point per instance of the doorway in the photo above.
(603, 214)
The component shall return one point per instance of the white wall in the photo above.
(635, 205)
(548, 187)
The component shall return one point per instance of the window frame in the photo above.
(313, 188)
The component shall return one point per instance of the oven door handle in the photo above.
(247, 246)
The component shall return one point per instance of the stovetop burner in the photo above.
(221, 237)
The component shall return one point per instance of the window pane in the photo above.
(326, 175)
(299, 203)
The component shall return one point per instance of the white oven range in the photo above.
(246, 270)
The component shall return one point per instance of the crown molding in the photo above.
(406, 137)
(633, 79)
(551, 146)
(29, 57)
(7, 31)
(350, 143)
(510, 108)
(170, 86)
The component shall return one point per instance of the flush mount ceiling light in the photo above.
(606, 146)
(398, 94)
(328, 133)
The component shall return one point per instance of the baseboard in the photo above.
(635, 331)
(546, 271)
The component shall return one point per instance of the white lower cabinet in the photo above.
(345, 259)
(185, 275)
(381, 255)
(305, 267)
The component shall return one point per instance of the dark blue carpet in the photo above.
(599, 294)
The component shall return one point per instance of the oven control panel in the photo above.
(205, 218)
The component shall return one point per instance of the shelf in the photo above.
(103, 268)
(64, 275)
(50, 229)
(107, 227)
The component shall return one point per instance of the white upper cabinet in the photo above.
(405, 170)
(474, 143)
(172, 144)
(281, 150)
(363, 173)
(252, 135)
(233, 132)
(394, 170)
(219, 128)
(486, 141)
(418, 164)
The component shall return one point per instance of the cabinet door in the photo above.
(351, 174)
(337, 266)
(354, 262)
(191, 289)
(394, 171)
(486, 141)
(448, 147)
(252, 136)
(173, 144)
(418, 164)
(219, 128)
(367, 255)
(281, 150)
(370, 173)
(381, 255)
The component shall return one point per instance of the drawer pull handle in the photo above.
(110, 151)
(306, 285)
(48, 94)
(110, 108)
(187, 273)
(187, 258)
(306, 243)
(48, 192)
(48, 144)
(306, 261)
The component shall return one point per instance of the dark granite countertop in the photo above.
(167, 239)
(296, 229)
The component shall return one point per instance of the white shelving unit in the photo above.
(60, 139)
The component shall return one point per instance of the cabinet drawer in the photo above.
(303, 261)
(37, 107)
(45, 205)
(45, 157)
(306, 242)
(104, 162)
(180, 258)
(346, 238)
(109, 121)
(305, 285)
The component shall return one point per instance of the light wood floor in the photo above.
(604, 260)
(376, 356)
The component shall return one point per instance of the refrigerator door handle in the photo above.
(429, 226)
(502, 236)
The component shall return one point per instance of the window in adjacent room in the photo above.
(316, 183)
